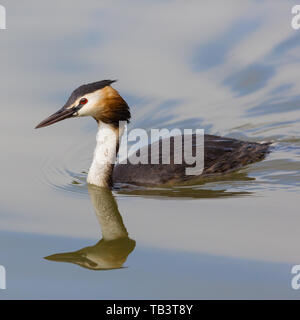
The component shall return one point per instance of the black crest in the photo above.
(87, 88)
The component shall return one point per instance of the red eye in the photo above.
(83, 101)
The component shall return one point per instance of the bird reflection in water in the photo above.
(112, 250)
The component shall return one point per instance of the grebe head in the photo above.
(98, 100)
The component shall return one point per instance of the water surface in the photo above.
(232, 72)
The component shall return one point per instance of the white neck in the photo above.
(100, 172)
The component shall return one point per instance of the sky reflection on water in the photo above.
(232, 71)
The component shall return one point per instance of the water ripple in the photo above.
(281, 170)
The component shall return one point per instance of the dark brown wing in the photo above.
(221, 155)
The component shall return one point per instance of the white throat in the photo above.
(100, 172)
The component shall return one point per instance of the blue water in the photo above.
(148, 274)
(232, 71)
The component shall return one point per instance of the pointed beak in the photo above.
(61, 114)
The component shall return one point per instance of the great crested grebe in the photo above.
(100, 101)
